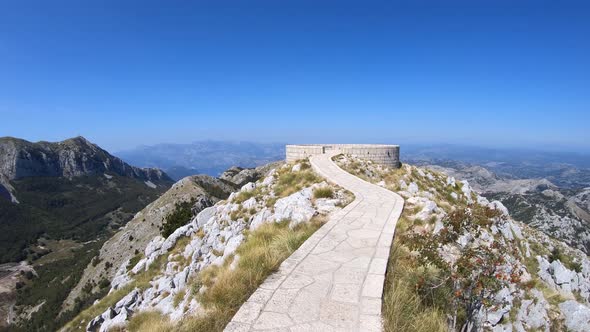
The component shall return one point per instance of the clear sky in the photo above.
(124, 73)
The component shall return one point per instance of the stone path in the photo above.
(334, 281)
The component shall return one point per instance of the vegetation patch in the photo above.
(243, 196)
(178, 297)
(181, 215)
(133, 261)
(404, 307)
(323, 192)
(149, 321)
(290, 182)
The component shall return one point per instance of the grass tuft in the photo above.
(323, 192)
(404, 308)
(149, 321)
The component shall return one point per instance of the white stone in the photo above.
(577, 316)
(438, 226)
(451, 181)
(413, 188)
(233, 244)
(533, 313)
(249, 203)
(205, 215)
(402, 184)
(326, 205)
(506, 231)
(248, 187)
(140, 266)
(497, 205)
(154, 245)
(260, 218)
(269, 179)
(428, 209)
(119, 320)
(562, 276)
(296, 208)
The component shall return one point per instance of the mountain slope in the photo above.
(66, 189)
(199, 192)
(58, 203)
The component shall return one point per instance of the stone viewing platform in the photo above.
(378, 153)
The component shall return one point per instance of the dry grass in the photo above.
(178, 297)
(324, 192)
(290, 182)
(149, 321)
(243, 196)
(404, 308)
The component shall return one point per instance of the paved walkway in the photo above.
(334, 281)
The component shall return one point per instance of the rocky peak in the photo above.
(69, 158)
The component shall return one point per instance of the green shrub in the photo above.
(133, 261)
(558, 254)
(181, 215)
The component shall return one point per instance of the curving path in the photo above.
(334, 281)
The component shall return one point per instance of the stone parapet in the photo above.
(378, 153)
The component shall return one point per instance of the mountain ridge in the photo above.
(69, 158)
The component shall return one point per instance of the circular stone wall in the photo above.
(381, 154)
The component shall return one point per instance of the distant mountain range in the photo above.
(203, 157)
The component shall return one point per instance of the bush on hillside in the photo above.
(181, 215)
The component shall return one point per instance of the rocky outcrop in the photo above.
(577, 316)
(241, 176)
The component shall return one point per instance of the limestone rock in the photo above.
(248, 187)
(205, 215)
(413, 188)
(296, 207)
(154, 245)
(577, 316)
(533, 313)
(260, 218)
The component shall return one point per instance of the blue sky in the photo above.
(124, 73)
